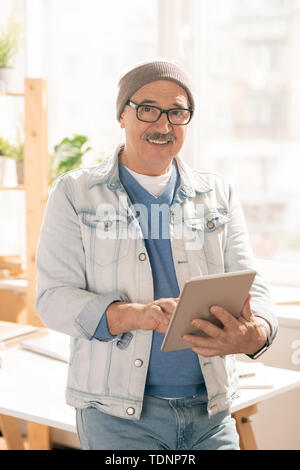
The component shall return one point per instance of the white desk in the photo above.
(288, 315)
(32, 388)
(283, 380)
(284, 294)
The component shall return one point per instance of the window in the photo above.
(263, 7)
(247, 123)
(85, 46)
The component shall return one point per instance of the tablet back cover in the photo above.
(228, 290)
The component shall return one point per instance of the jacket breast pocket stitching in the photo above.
(209, 223)
(108, 237)
(107, 222)
(214, 221)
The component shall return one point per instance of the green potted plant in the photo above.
(4, 150)
(68, 155)
(10, 35)
(17, 153)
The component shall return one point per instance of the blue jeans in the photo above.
(177, 424)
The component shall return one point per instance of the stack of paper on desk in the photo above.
(54, 344)
(10, 330)
(11, 333)
(253, 375)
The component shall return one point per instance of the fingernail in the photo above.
(214, 309)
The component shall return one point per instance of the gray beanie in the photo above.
(151, 71)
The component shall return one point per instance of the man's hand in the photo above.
(124, 316)
(156, 315)
(242, 335)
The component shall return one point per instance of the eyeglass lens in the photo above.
(151, 114)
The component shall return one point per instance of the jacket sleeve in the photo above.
(62, 301)
(239, 256)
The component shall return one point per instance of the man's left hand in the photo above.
(242, 335)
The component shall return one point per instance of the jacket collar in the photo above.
(108, 173)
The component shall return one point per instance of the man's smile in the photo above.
(159, 139)
(158, 142)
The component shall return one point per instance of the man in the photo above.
(111, 266)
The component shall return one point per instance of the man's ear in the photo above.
(122, 123)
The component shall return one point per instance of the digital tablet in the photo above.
(227, 290)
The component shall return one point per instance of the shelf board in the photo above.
(18, 187)
(10, 93)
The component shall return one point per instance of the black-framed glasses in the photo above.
(149, 113)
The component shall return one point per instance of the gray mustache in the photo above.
(158, 136)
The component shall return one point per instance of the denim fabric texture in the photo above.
(179, 424)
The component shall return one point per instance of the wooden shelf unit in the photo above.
(37, 172)
(36, 178)
(36, 185)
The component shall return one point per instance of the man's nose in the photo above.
(163, 125)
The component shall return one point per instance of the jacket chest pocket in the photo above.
(105, 237)
(206, 237)
(215, 230)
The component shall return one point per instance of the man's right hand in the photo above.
(122, 316)
(156, 315)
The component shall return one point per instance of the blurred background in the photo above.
(243, 56)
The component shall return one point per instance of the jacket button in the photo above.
(130, 411)
(138, 363)
(210, 225)
(107, 225)
(142, 256)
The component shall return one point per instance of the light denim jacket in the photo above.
(81, 270)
